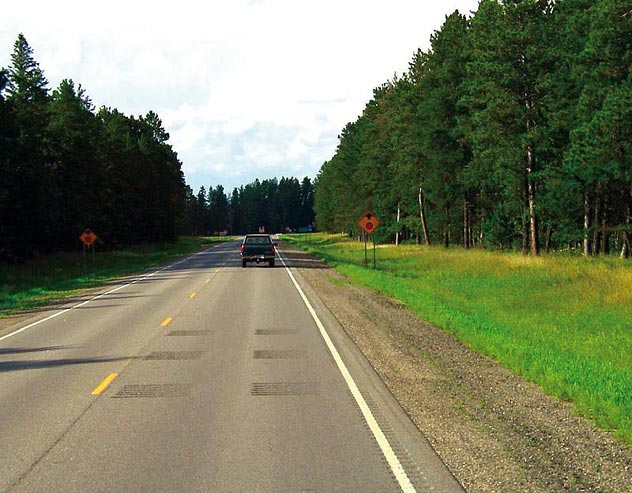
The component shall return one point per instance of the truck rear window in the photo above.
(257, 240)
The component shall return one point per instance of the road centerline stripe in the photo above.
(166, 322)
(98, 297)
(103, 385)
(192, 295)
(390, 456)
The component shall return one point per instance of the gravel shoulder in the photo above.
(495, 431)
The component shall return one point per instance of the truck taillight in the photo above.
(273, 250)
(241, 249)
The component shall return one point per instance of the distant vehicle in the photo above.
(257, 248)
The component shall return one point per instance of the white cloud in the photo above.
(245, 88)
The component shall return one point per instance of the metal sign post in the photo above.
(88, 238)
(83, 264)
(366, 259)
(374, 263)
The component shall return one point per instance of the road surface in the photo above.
(202, 376)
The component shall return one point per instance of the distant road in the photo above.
(202, 377)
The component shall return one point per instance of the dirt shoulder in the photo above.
(495, 431)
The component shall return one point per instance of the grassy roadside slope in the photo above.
(562, 322)
(53, 277)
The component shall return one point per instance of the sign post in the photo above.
(87, 238)
(368, 223)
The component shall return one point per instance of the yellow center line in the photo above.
(207, 281)
(192, 295)
(104, 384)
(166, 322)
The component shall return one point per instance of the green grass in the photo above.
(562, 322)
(52, 277)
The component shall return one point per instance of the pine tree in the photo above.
(26, 83)
(6, 132)
(441, 117)
(306, 213)
(218, 209)
(605, 64)
(78, 178)
(562, 87)
(509, 60)
(235, 215)
(29, 221)
(290, 203)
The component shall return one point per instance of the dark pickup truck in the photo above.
(257, 248)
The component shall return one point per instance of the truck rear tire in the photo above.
(243, 263)
(271, 263)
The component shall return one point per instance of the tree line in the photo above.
(273, 205)
(65, 167)
(513, 131)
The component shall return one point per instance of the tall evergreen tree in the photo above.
(202, 222)
(290, 203)
(562, 86)
(186, 225)
(441, 118)
(508, 63)
(324, 197)
(613, 125)
(30, 221)
(26, 81)
(6, 137)
(402, 167)
(605, 64)
(163, 189)
(306, 213)
(235, 215)
(218, 209)
(416, 167)
(72, 134)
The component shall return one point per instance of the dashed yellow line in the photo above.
(207, 281)
(103, 385)
(166, 322)
(192, 295)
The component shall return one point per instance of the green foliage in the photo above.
(511, 131)
(440, 115)
(65, 168)
(274, 205)
(559, 321)
(27, 83)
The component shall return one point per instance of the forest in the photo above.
(274, 205)
(65, 167)
(512, 131)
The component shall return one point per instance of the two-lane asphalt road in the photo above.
(202, 376)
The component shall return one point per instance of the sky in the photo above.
(247, 89)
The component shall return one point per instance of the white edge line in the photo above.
(57, 314)
(378, 434)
